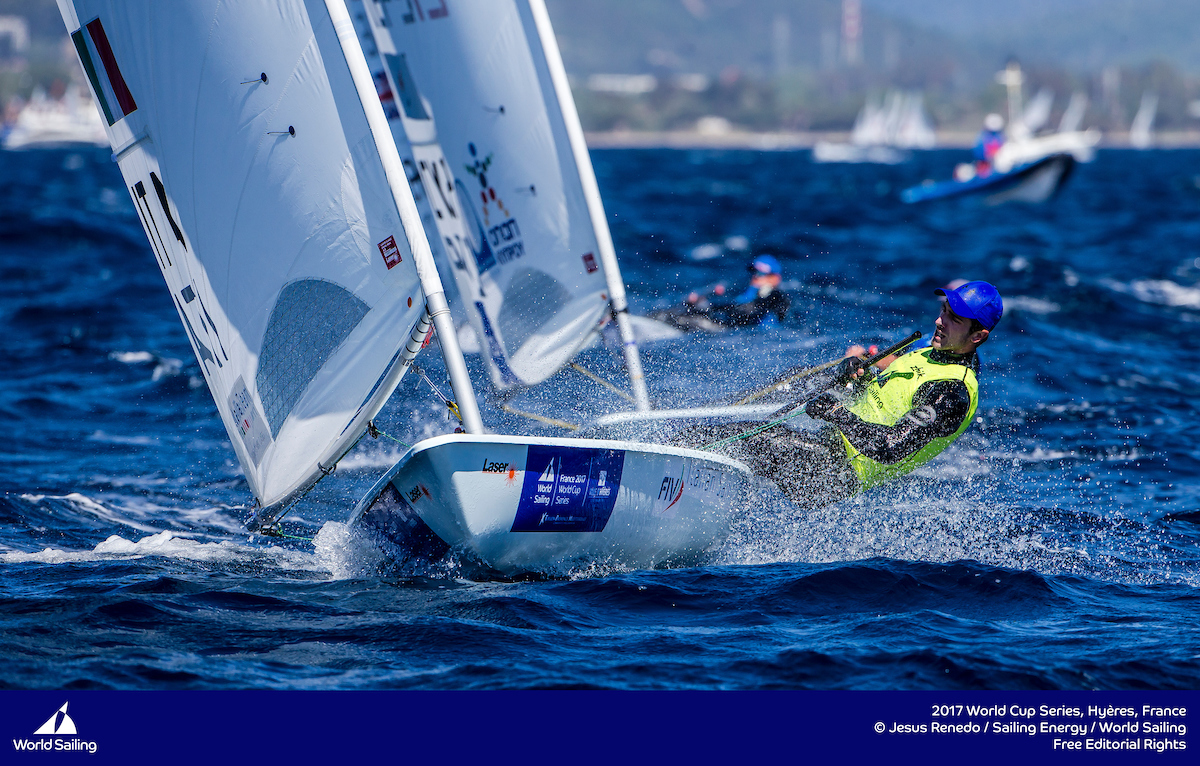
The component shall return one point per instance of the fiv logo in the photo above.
(670, 491)
(53, 736)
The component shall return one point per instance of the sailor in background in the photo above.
(990, 139)
(881, 426)
(762, 302)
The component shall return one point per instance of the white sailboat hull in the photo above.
(826, 151)
(522, 504)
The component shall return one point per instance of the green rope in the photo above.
(375, 433)
(753, 431)
(273, 532)
(756, 431)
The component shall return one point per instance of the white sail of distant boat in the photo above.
(882, 131)
(1141, 135)
(1073, 115)
(912, 128)
(1037, 112)
(474, 96)
(870, 127)
(280, 222)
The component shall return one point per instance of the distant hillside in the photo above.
(707, 36)
(1079, 34)
(44, 19)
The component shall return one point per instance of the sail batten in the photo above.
(267, 204)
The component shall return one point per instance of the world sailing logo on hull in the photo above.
(576, 491)
(53, 735)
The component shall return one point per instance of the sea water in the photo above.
(1055, 545)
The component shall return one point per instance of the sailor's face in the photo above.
(953, 333)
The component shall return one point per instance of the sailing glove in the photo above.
(822, 406)
(844, 372)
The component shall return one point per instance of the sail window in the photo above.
(410, 97)
(533, 297)
(311, 319)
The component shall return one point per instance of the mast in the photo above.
(1012, 79)
(591, 191)
(410, 218)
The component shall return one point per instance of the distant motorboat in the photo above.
(46, 122)
(1035, 181)
(1079, 144)
(1027, 167)
(883, 132)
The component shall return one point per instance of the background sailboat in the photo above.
(1141, 130)
(883, 132)
(492, 74)
(515, 205)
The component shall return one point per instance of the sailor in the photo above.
(762, 302)
(881, 427)
(990, 139)
(863, 351)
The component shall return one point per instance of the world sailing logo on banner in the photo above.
(53, 736)
(59, 723)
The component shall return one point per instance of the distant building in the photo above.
(625, 84)
(852, 32)
(14, 37)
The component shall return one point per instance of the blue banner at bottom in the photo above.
(598, 726)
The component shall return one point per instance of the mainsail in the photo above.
(472, 88)
(251, 161)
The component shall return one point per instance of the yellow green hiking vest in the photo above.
(889, 397)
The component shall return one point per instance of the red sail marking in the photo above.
(120, 89)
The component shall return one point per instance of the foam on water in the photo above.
(168, 545)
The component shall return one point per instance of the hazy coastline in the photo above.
(785, 140)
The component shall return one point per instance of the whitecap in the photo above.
(1030, 305)
(1161, 292)
(107, 438)
(90, 506)
(169, 545)
(706, 252)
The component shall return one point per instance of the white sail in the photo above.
(474, 95)
(249, 157)
(1141, 134)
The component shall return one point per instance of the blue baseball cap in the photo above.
(975, 300)
(765, 264)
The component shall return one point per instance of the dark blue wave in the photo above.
(1056, 546)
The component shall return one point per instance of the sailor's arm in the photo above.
(938, 410)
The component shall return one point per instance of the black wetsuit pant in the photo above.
(810, 468)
